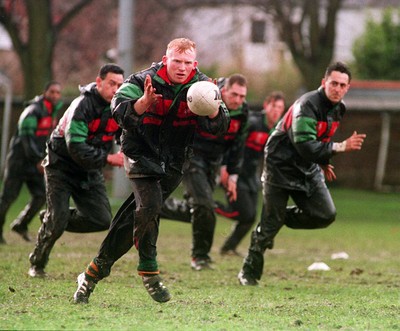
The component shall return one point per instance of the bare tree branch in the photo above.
(10, 24)
(68, 16)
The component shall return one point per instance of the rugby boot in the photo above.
(21, 230)
(37, 272)
(246, 279)
(156, 288)
(85, 288)
(199, 264)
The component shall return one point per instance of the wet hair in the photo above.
(110, 67)
(181, 45)
(236, 79)
(274, 96)
(338, 66)
(50, 84)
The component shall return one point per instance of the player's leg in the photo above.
(118, 241)
(176, 210)
(311, 212)
(150, 193)
(37, 190)
(58, 192)
(199, 183)
(275, 201)
(11, 187)
(246, 206)
(93, 210)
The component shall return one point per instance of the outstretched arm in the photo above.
(148, 98)
(353, 143)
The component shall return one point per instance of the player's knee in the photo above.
(104, 220)
(328, 218)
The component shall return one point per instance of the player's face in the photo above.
(274, 110)
(336, 86)
(109, 85)
(179, 64)
(53, 93)
(234, 96)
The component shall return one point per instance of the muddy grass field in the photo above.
(358, 293)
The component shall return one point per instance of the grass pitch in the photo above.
(360, 293)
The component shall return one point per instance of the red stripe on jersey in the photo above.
(184, 122)
(94, 125)
(111, 126)
(256, 140)
(152, 120)
(322, 128)
(287, 119)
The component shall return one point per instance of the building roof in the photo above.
(374, 95)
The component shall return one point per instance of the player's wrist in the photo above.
(339, 147)
(233, 178)
(140, 105)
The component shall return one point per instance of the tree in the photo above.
(34, 29)
(306, 26)
(377, 50)
(155, 22)
(308, 29)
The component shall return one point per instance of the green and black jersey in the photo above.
(302, 141)
(161, 137)
(28, 145)
(85, 134)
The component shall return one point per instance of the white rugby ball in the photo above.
(204, 98)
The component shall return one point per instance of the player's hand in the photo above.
(231, 190)
(223, 176)
(148, 98)
(329, 174)
(355, 141)
(231, 187)
(116, 160)
(150, 92)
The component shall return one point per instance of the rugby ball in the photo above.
(204, 98)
